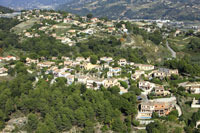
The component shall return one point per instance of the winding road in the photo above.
(171, 50)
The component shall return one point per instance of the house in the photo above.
(137, 74)
(70, 79)
(125, 30)
(54, 58)
(94, 20)
(51, 70)
(89, 31)
(3, 72)
(106, 59)
(67, 20)
(82, 79)
(76, 63)
(89, 66)
(74, 22)
(83, 25)
(177, 33)
(122, 90)
(1, 59)
(65, 58)
(28, 34)
(146, 86)
(193, 87)
(80, 59)
(109, 24)
(66, 40)
(63, 74)
(72, 31)
(111, 82)
(68, 63)
(122, 62)
(164, 72)
(105, 65)
(131, 63)
(45, 64)
(8, 58)
(115, 71)
(109, 74)
(111, 29)
(195, 103)
(94, 83)
(31, 61)
(158, 74)
(144, 67)
(160, 91)
(147, 108)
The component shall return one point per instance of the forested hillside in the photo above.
(5, 10)
(61, 72)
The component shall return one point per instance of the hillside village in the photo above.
(158, 88)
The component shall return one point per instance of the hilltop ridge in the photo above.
(136, 9)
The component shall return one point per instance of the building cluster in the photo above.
(148, 88)
(103, 73)
(191, 87)
(106, 72)
(68, 27)
(162, 107)
(7, 58)
(3, 70)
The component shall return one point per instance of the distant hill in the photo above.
(136, 9)
(117, 9)
(31, 4)
(5, 10)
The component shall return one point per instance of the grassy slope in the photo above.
(179, 45)
(153, 52)
(24, 25)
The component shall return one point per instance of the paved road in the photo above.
(178, 109)
(171, 50)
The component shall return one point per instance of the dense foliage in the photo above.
(5, 10)
(7, 23)
(7, 38)
(45, 46)
(57, 107)
(184, 66)
(156, 127)
(194, 45)
(94, 47)
(110, 47)
(156, 36)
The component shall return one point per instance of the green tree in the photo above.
(124, 84)
(32, 121)
(49, 122)
(89, 16)
(93, 59)
(136, 123)
(156, 127)
(9, 107)
(80, 116)
(117, 125)
(89, 127)
(42, 128)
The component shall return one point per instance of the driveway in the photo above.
(171, 50)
